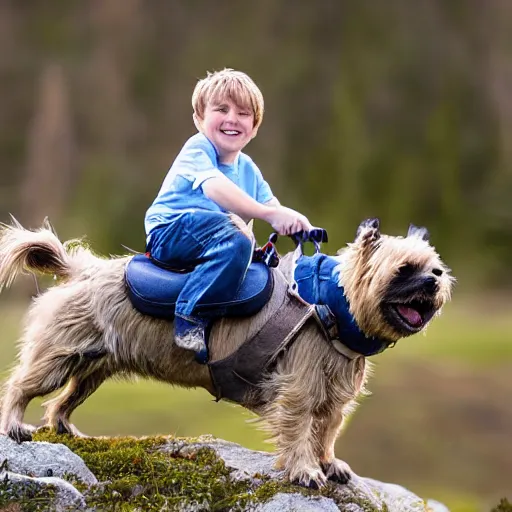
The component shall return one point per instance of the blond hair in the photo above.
(228, 83)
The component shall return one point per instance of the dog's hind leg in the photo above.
(38, 377)
(79, 388)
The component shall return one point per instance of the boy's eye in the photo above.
(245, 114)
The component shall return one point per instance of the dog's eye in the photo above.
(437, 272)
(406, 270)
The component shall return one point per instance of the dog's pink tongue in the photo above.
(411, 315)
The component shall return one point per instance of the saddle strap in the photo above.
(327, 322)
(241, 372)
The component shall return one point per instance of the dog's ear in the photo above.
(419, 232)
(368, 231)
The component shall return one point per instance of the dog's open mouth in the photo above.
(410, 317)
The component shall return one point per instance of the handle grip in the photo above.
(316, 236)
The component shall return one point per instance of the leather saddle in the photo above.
(153, 290)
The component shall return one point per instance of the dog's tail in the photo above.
(35, 251)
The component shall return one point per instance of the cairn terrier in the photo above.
(85, 330)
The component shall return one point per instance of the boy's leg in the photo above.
(218, 274)
(221, 253)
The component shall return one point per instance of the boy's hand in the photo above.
(286, 221)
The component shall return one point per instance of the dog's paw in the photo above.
(311, 478)
(64, 427)
(337, 471)
(21, 433)
(61, 427)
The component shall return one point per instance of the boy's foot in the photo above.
(190, 334)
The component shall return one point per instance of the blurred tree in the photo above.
(46, 184)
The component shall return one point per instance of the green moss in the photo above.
(134, 474)
(331, 491)
(29, 498)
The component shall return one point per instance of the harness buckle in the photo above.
(328, 320)
(268, 253)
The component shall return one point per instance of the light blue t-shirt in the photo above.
(182, 190)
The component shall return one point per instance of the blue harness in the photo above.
(317, 281)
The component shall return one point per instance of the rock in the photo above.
(245, 463)
(250, 475)
(61, 494)
(43, 459)
(359, 495)
(435, 506)
(281, 502)
(395, 496)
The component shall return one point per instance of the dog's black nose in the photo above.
(430, 284)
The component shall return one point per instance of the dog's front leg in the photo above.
(292, 425)
(328, 429)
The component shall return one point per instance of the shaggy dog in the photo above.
(84, 330)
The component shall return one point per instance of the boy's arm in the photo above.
(273, 202)
(231, 198)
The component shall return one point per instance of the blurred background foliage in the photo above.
(398, 109)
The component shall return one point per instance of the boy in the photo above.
(191, 221)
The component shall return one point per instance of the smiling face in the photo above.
(228, 126)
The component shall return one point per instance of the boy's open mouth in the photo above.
(230, 132)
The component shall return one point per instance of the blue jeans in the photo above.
(215, 246)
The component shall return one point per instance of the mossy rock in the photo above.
(27, 498)
(168, 473)
(135, 474)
